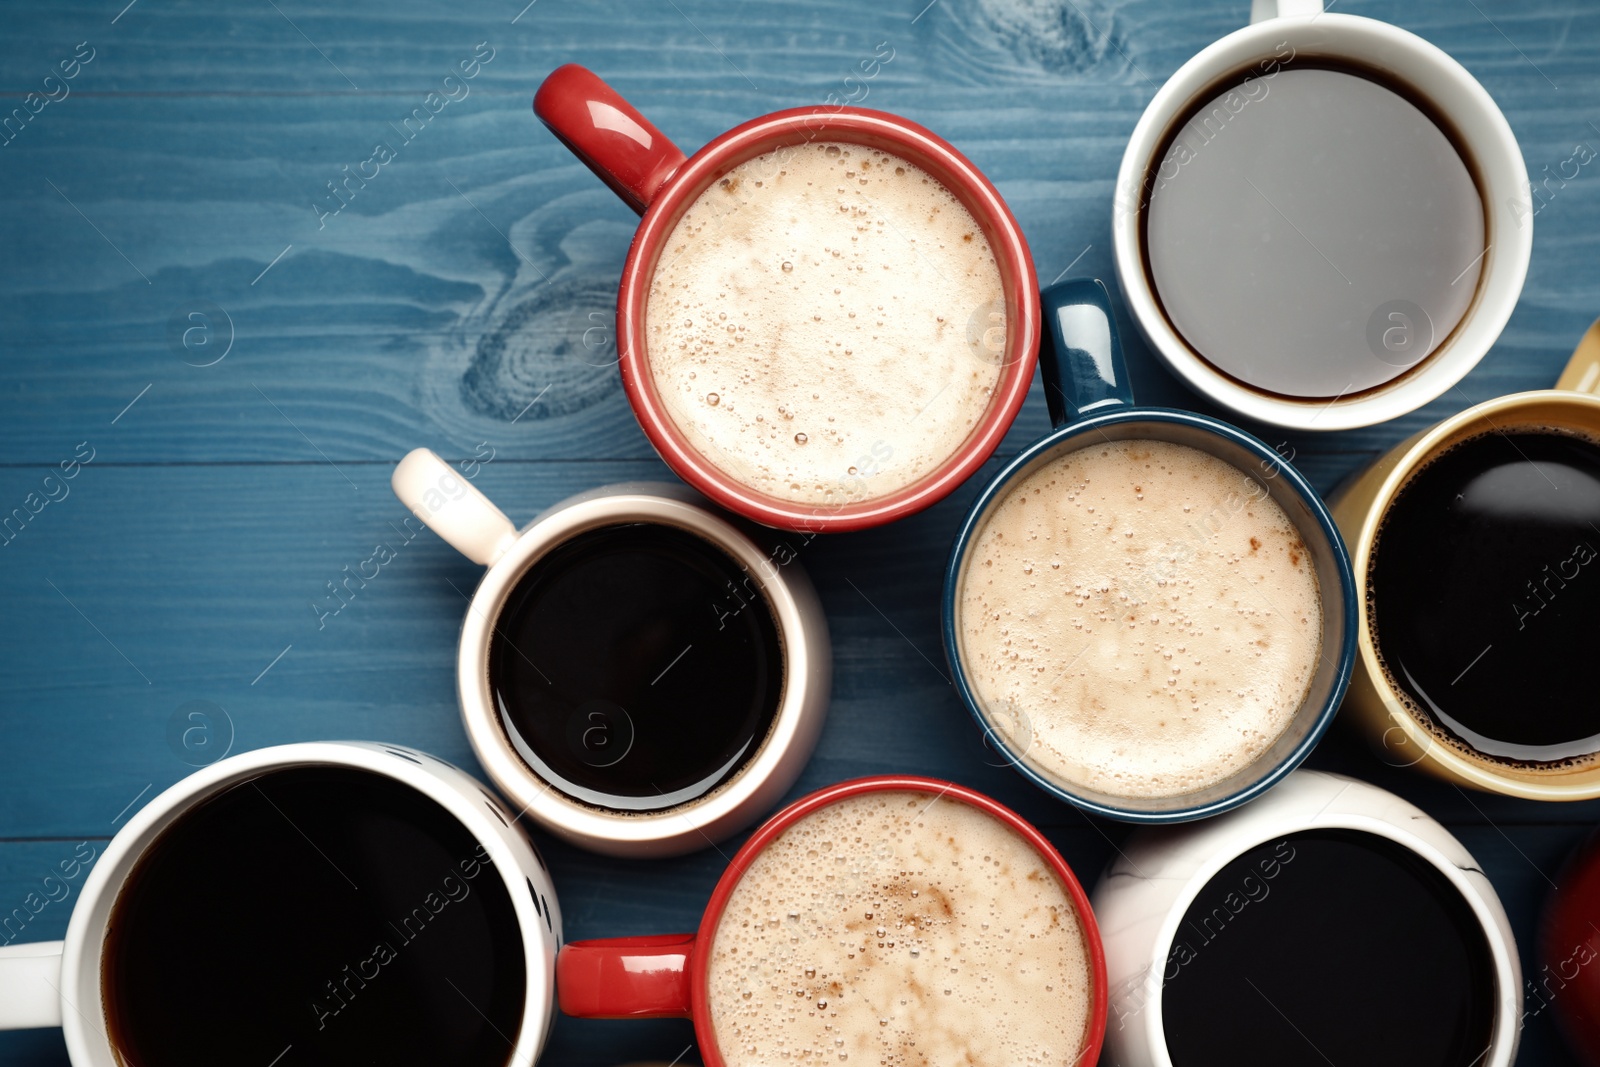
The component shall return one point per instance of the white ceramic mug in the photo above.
(1301, 27)
(1142, 898)
(59, 983)
(469, 521)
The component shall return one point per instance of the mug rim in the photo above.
(1501, 944)
(777, 130)
(1509, 245)
(83, 947)
(1412, 455)
(763, 777)
(994, 490)
(773, 828)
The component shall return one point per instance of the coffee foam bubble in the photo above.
(1147, 611)
(809, 326)
(899, 929)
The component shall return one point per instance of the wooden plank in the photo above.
(462, 297)
(409, 315)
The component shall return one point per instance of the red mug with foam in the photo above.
(654, 177)
(671, 975)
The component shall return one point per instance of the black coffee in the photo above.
(1486, 596)
(1328, 946)
(636, 667)
(1312, 232)
(318, 915)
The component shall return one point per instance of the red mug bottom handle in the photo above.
(626, 977)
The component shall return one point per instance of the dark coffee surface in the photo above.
(1328, 946)
(636, 667)
(315, 916)
(1311, 232)
(1486, 596)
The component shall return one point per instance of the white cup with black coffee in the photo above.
(1322, 221)
(322, 903)
(640, 675)
(1328, 922)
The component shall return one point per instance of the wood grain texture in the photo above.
(465, 295)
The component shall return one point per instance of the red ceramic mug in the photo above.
(670, 975)
(657, 180)
(1568, 979)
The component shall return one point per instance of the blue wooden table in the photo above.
(461, 299)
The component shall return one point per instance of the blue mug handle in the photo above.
(1080, 355)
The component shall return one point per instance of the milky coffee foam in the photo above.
(896, 929)
(1139, 618)
(826, 324)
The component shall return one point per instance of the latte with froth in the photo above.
(825, 324)
(900, 928)
(1139, 619)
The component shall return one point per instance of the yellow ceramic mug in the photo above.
(1360, 507)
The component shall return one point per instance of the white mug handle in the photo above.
(1262, 10)
(30, 985)
(453, 507)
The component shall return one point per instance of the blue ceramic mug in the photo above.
(1091, 404)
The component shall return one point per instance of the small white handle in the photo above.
(30, 985)
(1262, 10)
(453, 507)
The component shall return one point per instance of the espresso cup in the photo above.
(1413, 720)
(892, 912)
(1207, 911)
(630, 594)
(1393, 356)
(1152, 727)
(111, 979)
(811, 452)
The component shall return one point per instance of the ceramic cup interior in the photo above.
(774, 137)
(1143, 897)
(670, 975)
(762, 575)
(642, 166)
(1459, 105)
(518, 865)
(1283, 485)
(1091, 403)
(1397, 728)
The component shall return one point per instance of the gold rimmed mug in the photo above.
(1362, 505)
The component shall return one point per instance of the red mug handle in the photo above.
(602, 129)
(626, 977)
